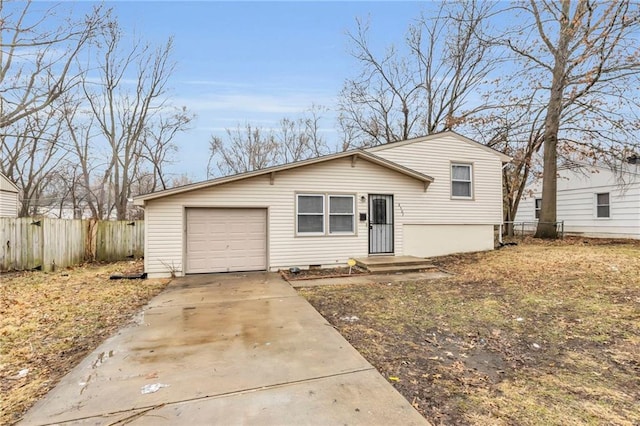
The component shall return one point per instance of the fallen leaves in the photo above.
(50, 321)
(540, 331)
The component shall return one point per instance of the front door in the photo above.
(380, 224)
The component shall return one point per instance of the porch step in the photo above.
(394, 264)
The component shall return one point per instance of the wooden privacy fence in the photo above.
(48, 244)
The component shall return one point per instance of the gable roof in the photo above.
(7, 185)
(355, 154)
(504, 158)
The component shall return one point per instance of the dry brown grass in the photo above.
(50, 321)
(541, 333)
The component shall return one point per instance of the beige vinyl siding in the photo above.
(8, 197)
(434, 158)
(576, 204)
(165, 217)
(447, 239)
(8, 204)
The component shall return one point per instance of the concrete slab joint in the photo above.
(225, 349)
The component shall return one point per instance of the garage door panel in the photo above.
(254, 245)
(226, 240)
(254, 229)
(216, 246)
(239, 228)
(198, 229)
(245, 245)
(217, 228)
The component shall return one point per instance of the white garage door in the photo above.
(226, 240)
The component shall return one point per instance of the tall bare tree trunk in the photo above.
(548, 213)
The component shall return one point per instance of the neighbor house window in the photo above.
(538, 207)
(310, 214)
(341, 214)
(461, 180)
(602, 205)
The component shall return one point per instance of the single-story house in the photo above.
(593, 201)
(427, 196)
(8, 197)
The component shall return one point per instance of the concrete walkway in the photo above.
(227, 349)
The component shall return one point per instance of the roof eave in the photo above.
(13, 187)
(141, 199)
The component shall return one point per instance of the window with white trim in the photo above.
(341, 214)
(602, 205)
(461, 181)
(538, 207)
(313, 218)
(310, 214)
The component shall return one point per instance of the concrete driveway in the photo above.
(225, 349)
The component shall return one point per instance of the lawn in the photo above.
(50, 321)
(539, 333)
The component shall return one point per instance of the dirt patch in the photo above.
(50, 321)
(313, 273)
(546, 332)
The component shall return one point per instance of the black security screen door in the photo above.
(380, 224)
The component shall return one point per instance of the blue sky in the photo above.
(256, 62)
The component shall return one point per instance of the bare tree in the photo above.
(84, 117)
(69, 191)
(251, 148)
(428, 89)
(158, 145)
(31, 151)
(514, 127)
(248, 148)
(180, 180)
(583, 55)
(126, 93)
(37, 58)
(300, 139)
(92, 181)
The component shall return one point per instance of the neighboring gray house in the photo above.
(593, 201)
(427, 196)
(8, 197)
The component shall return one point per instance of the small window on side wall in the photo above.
(310, 214)
(461, 181)
(602, 205)
(538, 207)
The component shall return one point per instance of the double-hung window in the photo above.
(310, 214)
(313, 218)
(341, 214)
(538, 207)
(461, 181)
(602, 205)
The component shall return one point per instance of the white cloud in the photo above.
(281, 103)
(213, 83)
(31, 55)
